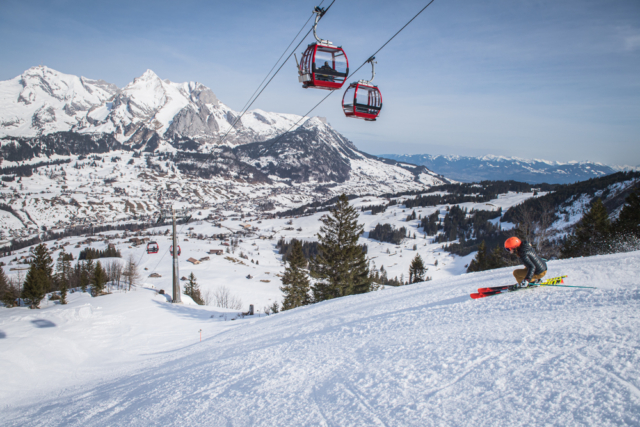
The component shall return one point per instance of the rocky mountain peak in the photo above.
(147, 75)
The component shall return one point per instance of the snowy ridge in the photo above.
(490, 167)
(626, 168)
(418, 355)
(43, 101)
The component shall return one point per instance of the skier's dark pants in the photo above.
(521, 273)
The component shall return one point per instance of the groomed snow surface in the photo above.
(418, 355)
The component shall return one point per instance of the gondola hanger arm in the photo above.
(319, 14)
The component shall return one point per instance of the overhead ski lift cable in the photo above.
(354, 72)
(276, 73)
(254, 97)
(357, 69)
(274, 65)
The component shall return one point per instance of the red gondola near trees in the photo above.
(363, 100)
(322, 66)
(152, 248)
(171, 250)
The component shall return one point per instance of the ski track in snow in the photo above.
(418, 355)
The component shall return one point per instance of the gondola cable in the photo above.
(350, 75)
(272, 77)
(274, 65)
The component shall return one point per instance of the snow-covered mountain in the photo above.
(43, 101)
(75, 150)
(470, 169)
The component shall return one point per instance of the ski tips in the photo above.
(478, 295)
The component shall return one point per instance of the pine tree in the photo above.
(295, 283)
(86, 274)
(341, 266)
(35, 286)
(591, 233)
(417, 270)
(275, 307)
(193, 289)
(98, 280)
(479, 263)
(42, 261)
(8, 292)
(63, 270)
(628, 223)
(63, 294)
(496, 259)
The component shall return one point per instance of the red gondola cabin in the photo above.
(171, 250)
(362, 101)
(152, 248)
(323, 66)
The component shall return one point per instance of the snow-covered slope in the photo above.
(418, 355)
(471, 169)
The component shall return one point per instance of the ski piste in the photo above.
(495, 290)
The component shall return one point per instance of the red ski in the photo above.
(495, 290)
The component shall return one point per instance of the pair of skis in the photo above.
(487, 292)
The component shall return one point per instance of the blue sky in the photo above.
(558, 80)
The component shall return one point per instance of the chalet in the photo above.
(137, 241)
(155, 275)
(193, 261)
(216, 252)
(206, 258)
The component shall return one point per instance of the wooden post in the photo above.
(250, 309)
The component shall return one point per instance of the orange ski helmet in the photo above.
(512, 243)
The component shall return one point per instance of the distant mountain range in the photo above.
(471, 169)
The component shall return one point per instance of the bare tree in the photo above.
(223, 298)
(117, 273)
(207, 297)
(114, 272)
(130, 272)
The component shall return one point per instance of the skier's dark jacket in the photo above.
(534, 264)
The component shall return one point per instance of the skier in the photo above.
(535, 269)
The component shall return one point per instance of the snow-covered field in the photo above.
(423, 354)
